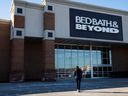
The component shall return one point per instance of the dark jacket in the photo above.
(78, 74)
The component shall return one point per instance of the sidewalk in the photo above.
(89, 87)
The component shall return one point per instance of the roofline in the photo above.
(27, 4)
(67, 2)
(5, 21)
(70, 2)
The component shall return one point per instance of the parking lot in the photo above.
(89, 87)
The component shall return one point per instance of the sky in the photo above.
(116, 4)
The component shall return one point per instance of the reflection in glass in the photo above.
(101, 58)
(68, 65)
(94, 57)
(87, 67)
(80, 58)
(61, 65)
(74, 58)
(68, 57)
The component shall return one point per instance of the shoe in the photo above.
(78, 90)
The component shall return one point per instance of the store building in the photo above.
(46, 41)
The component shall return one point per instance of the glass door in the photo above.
(101, 61)
(94, 61)
(67, 57)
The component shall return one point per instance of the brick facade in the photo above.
(4, 50)
(33, 59)
(49, 21)
(48, 49)
(120, 60)
(49, 60)
(17, 60)
(19, 21)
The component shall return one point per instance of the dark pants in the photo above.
(78, 81)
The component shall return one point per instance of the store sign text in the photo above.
(92, 24)
(88, 24)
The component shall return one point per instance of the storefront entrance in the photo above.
(95, 61)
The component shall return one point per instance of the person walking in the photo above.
(78, 76)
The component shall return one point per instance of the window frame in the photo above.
(19, 10)
(17, 33)
(50, 8)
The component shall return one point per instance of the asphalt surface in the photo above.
(89, 87)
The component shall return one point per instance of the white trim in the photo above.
(84, 5)
(4, 21)
(51, 11)
(18, 29)
(46, 34)
(23, 11)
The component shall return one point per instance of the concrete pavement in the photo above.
(98, 92)
(89, 87)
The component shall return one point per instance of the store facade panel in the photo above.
(93, 14)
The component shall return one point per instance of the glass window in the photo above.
(68, 63)
(100, 68)
(67, 57)
(81, 58)
(87, 68)
(19, 10)
(98, 57)
(74, 47)
(18, 33)
(60, 46)
(105, 69)
(56, 64)
(95, 68)
(50, 34)
(104, 61)
(94, 57)
(110, 57)
(50, 8)
(60, 61)
(60, 58)
(87, 57)
(56, 58)
(74, 58)
(105, 56)
(68, 47)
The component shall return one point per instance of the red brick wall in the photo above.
(49, 21)
(4, 51)
(49, 59)
(19, 21)
(33, 59)
(17, 60)
(120, 60)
